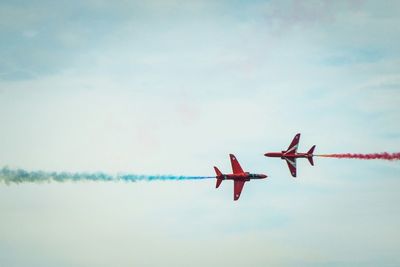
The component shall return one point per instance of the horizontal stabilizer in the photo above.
(217, 171)
(219, 181)
(311, 152)
(219, 176)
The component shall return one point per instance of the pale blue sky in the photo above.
(173, 87)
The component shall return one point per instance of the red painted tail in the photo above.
(219, 174)
(311, 152)
(217, 171)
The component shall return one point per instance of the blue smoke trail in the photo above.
(17, 176)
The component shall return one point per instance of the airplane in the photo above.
(290, 155)
(239, 177)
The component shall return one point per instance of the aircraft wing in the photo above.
(292, 165)
(238, 186)
(293, 145)
(236, 168)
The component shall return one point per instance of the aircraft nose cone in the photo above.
(267, 154)
(263, 176)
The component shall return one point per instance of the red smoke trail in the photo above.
(383, 156)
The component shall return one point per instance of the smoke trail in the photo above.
(18, 176)
(383, 156)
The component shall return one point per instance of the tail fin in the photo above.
(217, 171)
(219, 174)
(311, 151)
(219, 181)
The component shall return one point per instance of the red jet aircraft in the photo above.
(239, 177)
(290, 155)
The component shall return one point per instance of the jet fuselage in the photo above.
(242, 176)
(282, 155)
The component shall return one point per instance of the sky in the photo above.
(172, 87)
